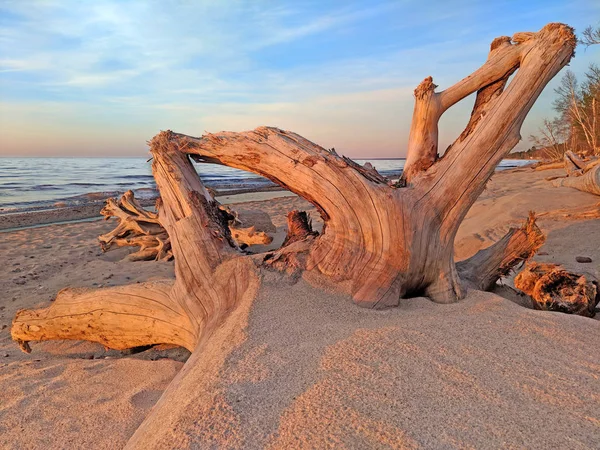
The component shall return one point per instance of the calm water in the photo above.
(40, 182)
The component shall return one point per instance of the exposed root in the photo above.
(487, 266)
(139, 227)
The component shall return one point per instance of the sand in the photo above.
(311, 367)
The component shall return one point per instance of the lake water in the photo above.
(32, 183)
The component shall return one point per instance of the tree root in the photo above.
(487, 266)
(139, 227)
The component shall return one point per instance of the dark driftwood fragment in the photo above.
(554, 289)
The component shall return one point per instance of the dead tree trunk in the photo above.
(388, 241)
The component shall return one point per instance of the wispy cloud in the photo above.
(336, 71)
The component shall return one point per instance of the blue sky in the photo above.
(100, 78)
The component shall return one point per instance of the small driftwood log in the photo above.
(139, 227)
(384, 242)
(579, 212)
(554, 289)
(548, 166)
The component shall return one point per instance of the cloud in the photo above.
(340, 72)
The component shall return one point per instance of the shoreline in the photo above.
(59, 212)
(20, 220)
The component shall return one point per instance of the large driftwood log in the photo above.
(139, 227)
(387, 242)
(588, 182)
(554, 289)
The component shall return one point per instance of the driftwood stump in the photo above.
(387, 242)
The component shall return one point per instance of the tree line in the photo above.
(576, 126)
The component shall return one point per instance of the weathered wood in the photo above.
(574, 165)
(554, 289)
(117, 317)
(136, 227)
(385, 242)
(139, 227)
(299, 227)
(548, 166)
(487, 266)
(588, 182)
(579, 212)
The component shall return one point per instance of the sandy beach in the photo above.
(309, 368)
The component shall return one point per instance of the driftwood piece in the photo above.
(554, 289)
(487, 266)
(291, 257)
(139, 227)
(574, 165)
(385, 242)
(588, 182)
(299, 227)
(548, 166)
(579, 212)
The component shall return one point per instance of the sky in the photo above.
(100, 78)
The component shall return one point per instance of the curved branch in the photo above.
(422, 150)
(119, 318)
(356, 207)
(504, 58)
(529, 49)
(453, 184)
(487, 266)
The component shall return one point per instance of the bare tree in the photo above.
(552, 136)
(591, 36)
(580, 105)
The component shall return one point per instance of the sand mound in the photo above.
(316, 371)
